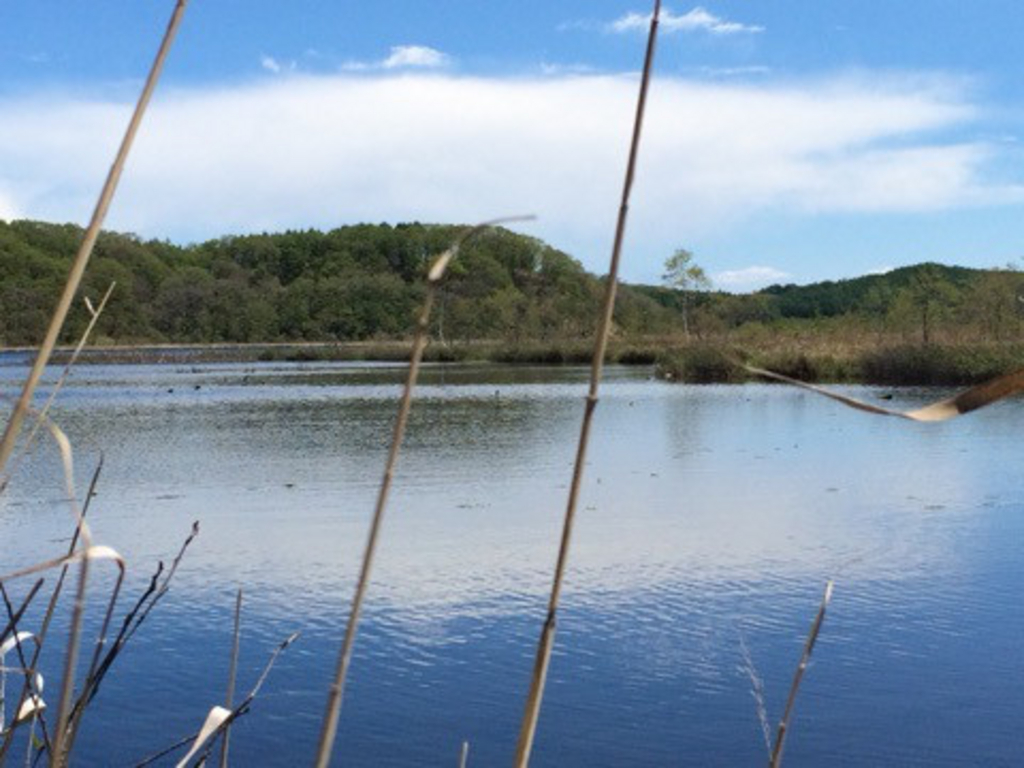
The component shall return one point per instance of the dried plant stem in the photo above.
(968, 400)
(464, 755)
(61, 735)
(12, 622)
(229, 716)
(51, 608)
(88, 242)
(232, 676)
(40, 418)
(805, 657)
(329, 727)
(544, 646)
(223, 717)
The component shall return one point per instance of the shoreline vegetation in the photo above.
(351, 293)
(895, 364)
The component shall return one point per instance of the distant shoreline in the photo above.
(694, 363)
(393, 350)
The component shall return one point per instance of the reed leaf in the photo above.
(220, 718)
(98, 552)
(216, 717)
(942, 410)
(11, 643)
(531, 714)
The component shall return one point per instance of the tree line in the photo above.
(365, 282)
(351, 283)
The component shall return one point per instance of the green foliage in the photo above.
(352, 283)
(365, 282)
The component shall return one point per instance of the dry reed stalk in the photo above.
(220, 718)
(59, 756)
(132, 621)
(544, 646)
(232, 675)
(26, 691)
(27, 446)
(13, 426)
(942, 410)
(805, 657)
(335, 695)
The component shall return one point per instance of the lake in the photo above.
(710, 520)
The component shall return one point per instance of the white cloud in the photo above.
(755, 69)
(420, 56)
(322, 151)
(696, 20)
(750, 277)
(270, 64)
(403, 57)
(550, 69)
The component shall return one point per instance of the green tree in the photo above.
(928, 298)
(683, 275)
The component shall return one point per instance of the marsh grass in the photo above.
(897, 365)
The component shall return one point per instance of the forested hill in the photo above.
(831, 298)
(366, 282)
(356, 282)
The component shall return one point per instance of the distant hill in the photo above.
(351, 283)
(365, 282)
(839, 297)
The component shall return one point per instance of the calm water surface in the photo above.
(710, 519)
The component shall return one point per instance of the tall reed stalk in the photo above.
(51, 608)
(547, 637)
(13, 426)
(232, 677)
(334, 699)
(805, 657)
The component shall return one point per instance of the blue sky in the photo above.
(786, 141)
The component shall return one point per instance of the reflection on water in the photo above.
(708, 514)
